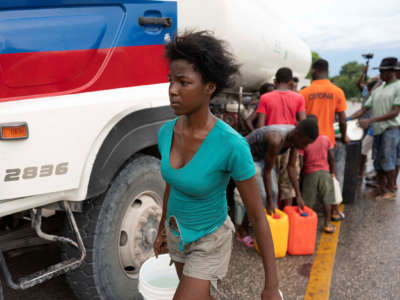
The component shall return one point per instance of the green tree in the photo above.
(314, 56)
(347, 79)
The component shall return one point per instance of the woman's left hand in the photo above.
(271, 294)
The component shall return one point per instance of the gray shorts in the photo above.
(318, 186)
(207, 258)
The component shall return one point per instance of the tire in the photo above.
(118, 230)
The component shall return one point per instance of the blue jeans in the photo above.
(385, 150)
(398, 155)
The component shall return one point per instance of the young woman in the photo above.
(199, 155)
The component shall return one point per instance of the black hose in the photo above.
(1, 292)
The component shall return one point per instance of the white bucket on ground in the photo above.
(157, 279)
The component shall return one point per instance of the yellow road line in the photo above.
(319, 283)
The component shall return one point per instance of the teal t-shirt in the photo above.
(197, 196)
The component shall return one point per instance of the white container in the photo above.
(239, 210)
(157, 279)
(354, 131)
(234, 107)
(259, 40)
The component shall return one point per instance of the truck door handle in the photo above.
(165, 22)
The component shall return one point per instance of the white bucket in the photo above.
(354, 131)
(157, 279)
(239, 209)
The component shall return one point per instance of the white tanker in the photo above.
(260, 41)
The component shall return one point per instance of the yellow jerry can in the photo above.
(279, 225)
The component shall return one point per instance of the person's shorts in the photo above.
(286, 189)
(385, 149)
(398, 155)
(366, 145)
(207, 258)
(318, 186)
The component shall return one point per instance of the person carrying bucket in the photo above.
(199, 154)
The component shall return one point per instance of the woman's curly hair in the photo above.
(208, 55)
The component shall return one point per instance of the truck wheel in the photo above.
(118, 230)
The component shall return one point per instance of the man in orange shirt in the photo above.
(325, 100)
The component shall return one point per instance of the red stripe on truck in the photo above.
(42, 74)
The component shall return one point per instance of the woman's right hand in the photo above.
(160, 242)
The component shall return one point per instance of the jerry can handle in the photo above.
(302, 213)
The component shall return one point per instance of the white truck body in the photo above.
(71, 128)
(90, 82)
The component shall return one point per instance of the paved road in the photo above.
(367, 264)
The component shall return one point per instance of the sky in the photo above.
(341, 30)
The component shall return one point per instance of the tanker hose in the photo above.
(1, 291)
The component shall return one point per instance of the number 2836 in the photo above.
(34, 172)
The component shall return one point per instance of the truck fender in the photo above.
(130, 135)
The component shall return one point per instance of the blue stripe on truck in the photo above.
(76, 25)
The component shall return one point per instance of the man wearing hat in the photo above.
(385, 105)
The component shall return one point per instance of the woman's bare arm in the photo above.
(248, 190)
(159, 239)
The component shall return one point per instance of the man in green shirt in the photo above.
(398, 70)
(385, 105)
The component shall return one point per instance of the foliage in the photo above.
(314, 56)
(348, 77)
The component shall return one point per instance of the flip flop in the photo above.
(372, 184)
(339, 217)
(329, 229)
(247, 241)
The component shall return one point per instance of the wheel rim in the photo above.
(138, 231)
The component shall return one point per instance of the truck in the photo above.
(83, 93)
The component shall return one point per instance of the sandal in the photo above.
(338, 217)
(372, 184)
(247, 241)
(329, 229)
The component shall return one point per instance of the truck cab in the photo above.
(83, 93)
